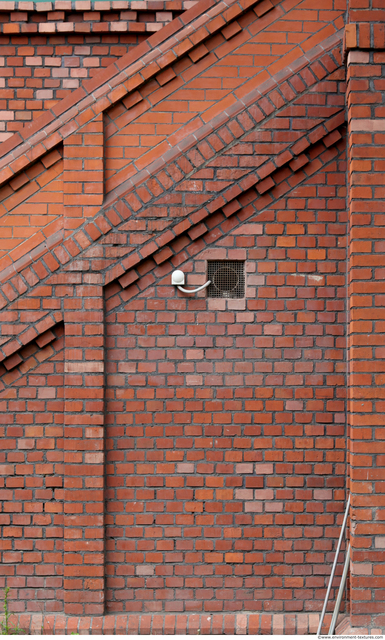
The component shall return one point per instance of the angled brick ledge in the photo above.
(265, 96)
(192, 224)
(126, 273)
(126, 279)
(69, 41)
(44, 347)
(285, 81)
(35, 332)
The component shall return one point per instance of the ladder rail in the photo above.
(340, 593)
(334, 567)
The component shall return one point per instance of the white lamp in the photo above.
(178, 278)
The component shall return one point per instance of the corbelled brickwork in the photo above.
(171, 462)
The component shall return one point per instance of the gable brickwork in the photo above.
(171, 462)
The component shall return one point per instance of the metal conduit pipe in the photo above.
(333, 567)
(195, 290)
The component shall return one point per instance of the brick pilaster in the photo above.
(366, 100)
(84, 450)
(83, 173)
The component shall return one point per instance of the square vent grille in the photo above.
(227, 279)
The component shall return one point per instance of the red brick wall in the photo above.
(44, 55)
(31, 476)
(366, 327)
(38, 71)
(201, 86)
(217, 425)
(31, 207)
(156, 117)
(226, 424)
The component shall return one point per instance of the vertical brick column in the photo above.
(366, 116)
(84, 449)
(83, 173)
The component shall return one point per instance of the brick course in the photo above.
(134, 624)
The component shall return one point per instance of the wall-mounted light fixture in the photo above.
(178, 279)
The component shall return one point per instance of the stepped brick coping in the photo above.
(122, 212)
(260, 179)
(325, 131)
(112, 83)
(201, 127)
(169, 624)
(185, 143)
(315, 55)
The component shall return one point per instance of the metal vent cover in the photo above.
(227, 279)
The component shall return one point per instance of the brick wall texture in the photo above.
(173, 462)
(47, 49)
